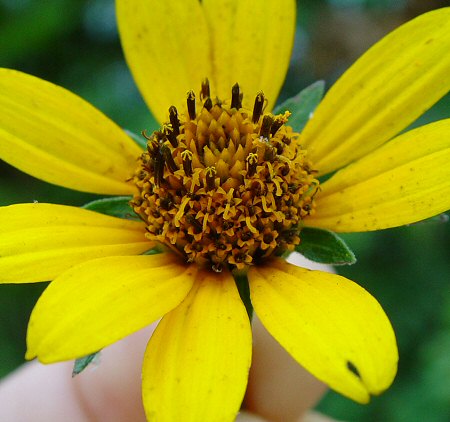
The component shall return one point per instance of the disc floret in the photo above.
(224, 186)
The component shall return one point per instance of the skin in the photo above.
(278, 390)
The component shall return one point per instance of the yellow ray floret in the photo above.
(54, 135)
(244, 34)
(391, 85)
(40, 241)
(404, 181)
(330, 325)
(166, 45)
(197, 361)
(102, 301)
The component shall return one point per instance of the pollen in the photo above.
(224, 186)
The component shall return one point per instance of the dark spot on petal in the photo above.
(353, 369)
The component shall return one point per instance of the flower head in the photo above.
(227, 186)
(223, 189)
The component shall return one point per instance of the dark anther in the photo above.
(285, 169)
(277, 123)
(195, 223)
(158, 166)
(270, 153)
(256, 189)
(246, 237)
(258, 107)
(227, 225)
(236, 98)
(353, 369)
(265, 126)
(173, 116)
(208, 104)
(252, 162)
(186, 156)
(171, 165)
(153, 147)
(205, 89)
(210, 173)
(191, 104)
(293, 187)
(166, 203)
(168, 132)
(268, 237)
(280, 148)
(286, 140)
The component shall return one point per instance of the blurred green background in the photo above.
(74, 43)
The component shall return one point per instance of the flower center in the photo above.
(224, 186)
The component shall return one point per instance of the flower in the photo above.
(261, 178)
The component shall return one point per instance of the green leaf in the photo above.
(81, 364)
(325, 247)
(118, 206)
(302, 105)
(142, 142)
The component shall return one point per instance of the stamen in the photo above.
(236, 97)
(208, 104)
(258, 107)
(265, 126)
(170, 162)
(252, 162)
(277, 123)
(173, 117)
(170, 135)
(191, 104)
(153, 147)
(210, 173)
(158, 166)
(186, 156)
(205, 89)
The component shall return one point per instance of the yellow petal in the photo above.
(391, 85)
(166, 45)
(251, 44)
(54, 135)
(330, 325)
(404, 181)
(197, 362)
(40, 241)
(103, 300)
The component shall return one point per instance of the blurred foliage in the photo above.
(74, 43)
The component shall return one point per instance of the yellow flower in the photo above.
(104, 287)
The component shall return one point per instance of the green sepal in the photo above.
(241, 280)
(325, 247)
(302, 105)
(82, 363)
(141, 141)
(118, 206)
